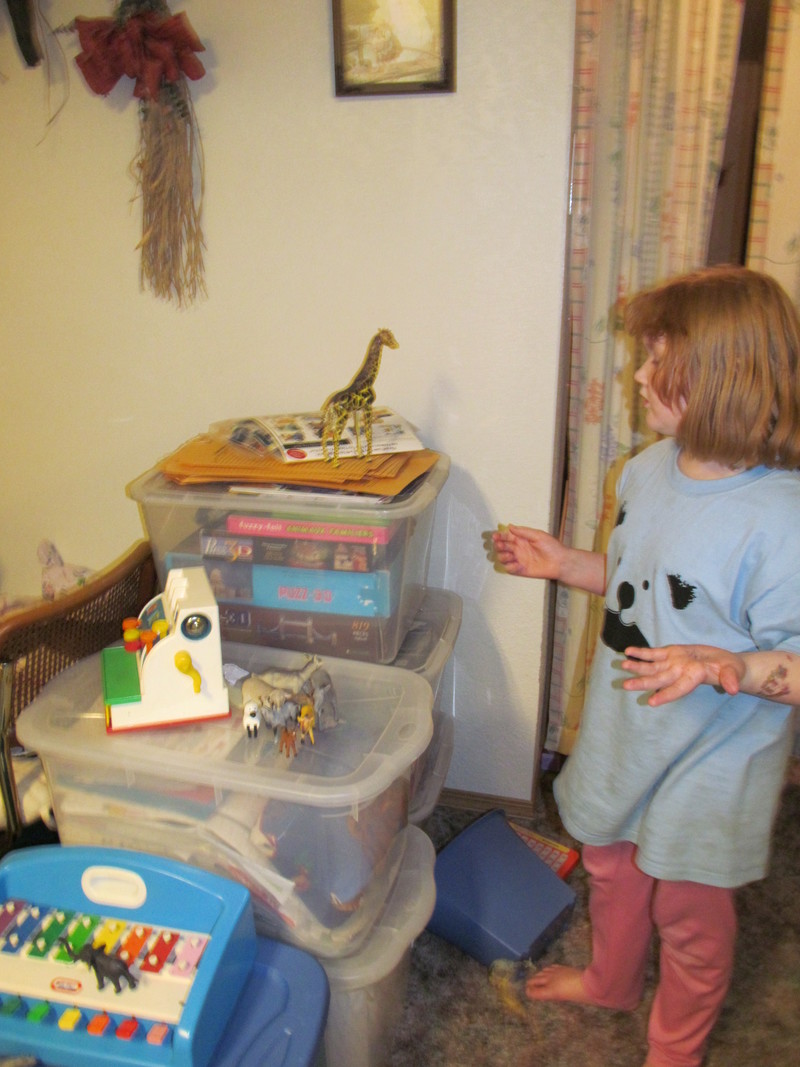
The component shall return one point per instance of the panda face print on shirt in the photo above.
(617, 633)
(620, 628)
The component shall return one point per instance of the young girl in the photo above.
(674, 802)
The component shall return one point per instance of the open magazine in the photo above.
(296, 437)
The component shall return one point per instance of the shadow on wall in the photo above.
(479, 686)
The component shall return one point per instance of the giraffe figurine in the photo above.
(355, 400)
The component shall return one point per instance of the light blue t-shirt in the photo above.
(695, 784)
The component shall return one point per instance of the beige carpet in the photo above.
(454, 1016)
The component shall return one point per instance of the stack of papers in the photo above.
(286, 450)
(296, 438)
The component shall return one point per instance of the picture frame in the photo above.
(384, 47)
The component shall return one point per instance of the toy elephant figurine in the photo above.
(104, 966)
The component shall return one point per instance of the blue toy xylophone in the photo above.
(109, 956)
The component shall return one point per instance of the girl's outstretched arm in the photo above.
(675, 670)
(536, 554)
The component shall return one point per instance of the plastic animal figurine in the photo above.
(306, 721)
(251, 717)
(355, 401)
(320, 688)
(290, 702)
(104, 966)
(288, 742)
(264, 693)
(269, 703)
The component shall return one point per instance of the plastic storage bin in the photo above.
(318, 839)
(368, 989)
(339, 575)
(427, 650)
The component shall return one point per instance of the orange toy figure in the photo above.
(288, 742)
(355, 400)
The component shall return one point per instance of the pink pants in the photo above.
(697, 929)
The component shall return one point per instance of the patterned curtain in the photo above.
(652, 94)
(774, 231)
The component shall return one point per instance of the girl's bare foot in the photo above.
(557, 983)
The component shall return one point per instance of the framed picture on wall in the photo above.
(393, 46)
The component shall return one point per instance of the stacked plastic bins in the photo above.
(323, 840)
(368, 987)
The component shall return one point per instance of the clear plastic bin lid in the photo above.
(383, 724)
(153, 488)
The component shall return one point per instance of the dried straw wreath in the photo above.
(144, 41)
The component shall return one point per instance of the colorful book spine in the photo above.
(332, 592)
(317, 554)
(311, 530)
(370, 639)
(373, 594)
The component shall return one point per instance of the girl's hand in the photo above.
(675, 670)
(528, 552)
(536, 554)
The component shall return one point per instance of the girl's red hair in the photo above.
(732, 357)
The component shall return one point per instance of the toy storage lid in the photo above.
(384, 724)
(280, 1018)
(154, 488)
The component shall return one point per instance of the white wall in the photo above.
(442, 217)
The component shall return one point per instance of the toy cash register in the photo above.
(169, 669)
(116, 957)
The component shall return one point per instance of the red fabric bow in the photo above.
(147, 47)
